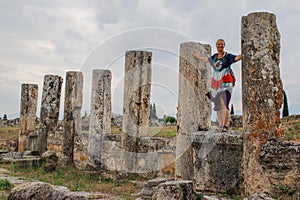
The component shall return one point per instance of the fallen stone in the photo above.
(260, 196)
(172, 190)
(43, 191)
(151, 187)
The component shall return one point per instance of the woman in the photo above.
(222, 81)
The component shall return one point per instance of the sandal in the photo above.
(219, 129)
(225, 129)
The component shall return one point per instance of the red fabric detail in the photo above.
(217, 84)
(227, 79)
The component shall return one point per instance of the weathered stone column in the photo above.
(194, 107)
(29, 100)
(100, 117)
(72, 113)
(49, 108)
(137, 88)
(262, 94)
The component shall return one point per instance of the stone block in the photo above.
(218, 161)
(174, 190)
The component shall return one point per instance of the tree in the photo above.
(285, 111)
(4, 117)
(169, 119)
(232, 110)
(153, 111)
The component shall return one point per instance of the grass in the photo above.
(155, 131)
(75, 180)
(116, 130)
(9, 133)
(163, 131)
(4, 184)
(292, 130)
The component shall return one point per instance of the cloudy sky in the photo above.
(41, 37)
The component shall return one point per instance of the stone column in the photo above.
(100, 117)
(29, 100)
(194, 107)
(262, 94)
(72, 113)
(137, 88)
(49, 108)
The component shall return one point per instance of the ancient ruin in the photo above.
(49, 109)
(194, 108)
(72, 114)
(137, 88)
(100, 117)
(257, 161)
(29, 101)
(262, 94)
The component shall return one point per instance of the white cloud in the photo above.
(39, 37)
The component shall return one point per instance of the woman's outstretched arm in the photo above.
(196, 54)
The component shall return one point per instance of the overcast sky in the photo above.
(41, 37)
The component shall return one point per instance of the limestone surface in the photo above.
(194, 108)
(100, 117)
(29, 101)
(136, 112)
(174, 190)
(72, 113)
(49, 108)
(262, 94)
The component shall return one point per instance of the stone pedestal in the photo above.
(137, 89)
(218, 161)
(72, 113)
(49, 109)
(194, 108)
(100, 117)
(29, 100)
(262, 94)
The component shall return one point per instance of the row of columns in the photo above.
(262, 99)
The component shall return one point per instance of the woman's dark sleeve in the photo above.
(231, 58)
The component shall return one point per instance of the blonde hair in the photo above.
(220, 40)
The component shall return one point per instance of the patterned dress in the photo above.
(222, 79)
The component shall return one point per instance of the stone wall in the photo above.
(236, 121)
(218, 161)
(280, 161)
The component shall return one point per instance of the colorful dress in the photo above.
(222, 79)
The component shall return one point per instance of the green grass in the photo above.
(4, 184)
(116, 130)
(297, 124)
(163, 131)
(75, 180)
(155, 131)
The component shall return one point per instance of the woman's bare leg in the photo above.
(223, 114)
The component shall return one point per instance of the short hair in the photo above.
(220, 40)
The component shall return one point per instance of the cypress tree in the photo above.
(232, 110)
(285, 111)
